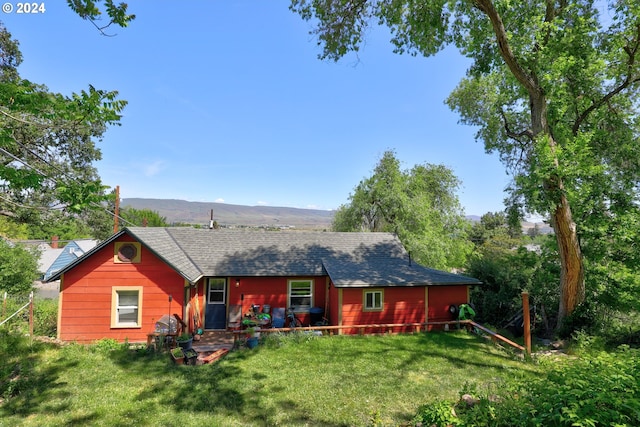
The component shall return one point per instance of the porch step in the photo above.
(214, 340)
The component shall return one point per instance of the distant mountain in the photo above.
(182, 211)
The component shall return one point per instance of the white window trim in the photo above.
(223, 291)
(297, 308)
(372, 291)
(114, 307)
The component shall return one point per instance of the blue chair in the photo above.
(277, 317)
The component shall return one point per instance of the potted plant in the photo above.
(252, 339)
(191, 356)
(185, 340)
(177, 355)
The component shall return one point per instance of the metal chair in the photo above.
(277, 317)
(234, 320)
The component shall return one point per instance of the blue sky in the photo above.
(228, 102)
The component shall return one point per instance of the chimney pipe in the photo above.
(54, 242)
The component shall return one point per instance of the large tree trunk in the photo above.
(572, 290)
(572, 268)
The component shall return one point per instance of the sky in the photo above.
(228, 102)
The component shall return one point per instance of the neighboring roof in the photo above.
(69, 253)
(48, 256)
(350, 259)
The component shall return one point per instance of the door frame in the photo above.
(221, 304)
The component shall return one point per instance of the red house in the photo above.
(128, 282)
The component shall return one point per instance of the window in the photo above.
(217, 288)
(300, 294)
(373, 300)
(126, 307)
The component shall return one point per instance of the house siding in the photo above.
(272, 291)
(440, 298)
(85, 315)
(400, 305)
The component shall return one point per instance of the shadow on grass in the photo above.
(222, 389)
(243, 386)
(26, 383)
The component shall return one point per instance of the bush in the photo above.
(18, 269)
(583, 319)
(438, 414)
(596, 389)
(45, 317)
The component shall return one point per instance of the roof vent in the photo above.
(127, 252)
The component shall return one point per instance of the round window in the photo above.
(127, 253)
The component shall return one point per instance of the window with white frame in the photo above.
(126, 307)
(217, 289)
(301, 294)
(373, 300)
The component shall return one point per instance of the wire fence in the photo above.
(27, 315)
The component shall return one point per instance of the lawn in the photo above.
(327, 381)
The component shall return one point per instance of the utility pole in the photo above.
(116, 212)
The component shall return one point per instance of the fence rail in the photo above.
(380, 327)
(388, 327)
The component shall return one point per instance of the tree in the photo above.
(552, 89)
(18, 269)
(419, 205)
(142, 217)
(88, 10)
(491, 227)
(47, 142)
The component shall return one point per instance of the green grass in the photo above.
(328, 381)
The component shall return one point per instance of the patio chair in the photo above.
(234, 320)
(277, 317)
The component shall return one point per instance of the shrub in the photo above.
(438, 414)
(45, 317)
(18, 269)
(596, 389)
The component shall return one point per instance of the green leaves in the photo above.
(18, 269)
(90, 10)
(419, 205)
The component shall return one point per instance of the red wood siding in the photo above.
(400, 305)
(85, 313)
(441, 297)
(267, 290)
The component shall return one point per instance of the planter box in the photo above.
(177, 355)
(191, 356)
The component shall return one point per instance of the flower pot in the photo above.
(252, 342)
(185, 344)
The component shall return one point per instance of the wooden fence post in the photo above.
(31, 315)
(527, 322)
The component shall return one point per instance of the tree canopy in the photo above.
(552, 88)
(142, 217)
(18, 268)
(48, 142)
(419, 205)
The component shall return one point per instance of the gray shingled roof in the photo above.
(350, 259)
